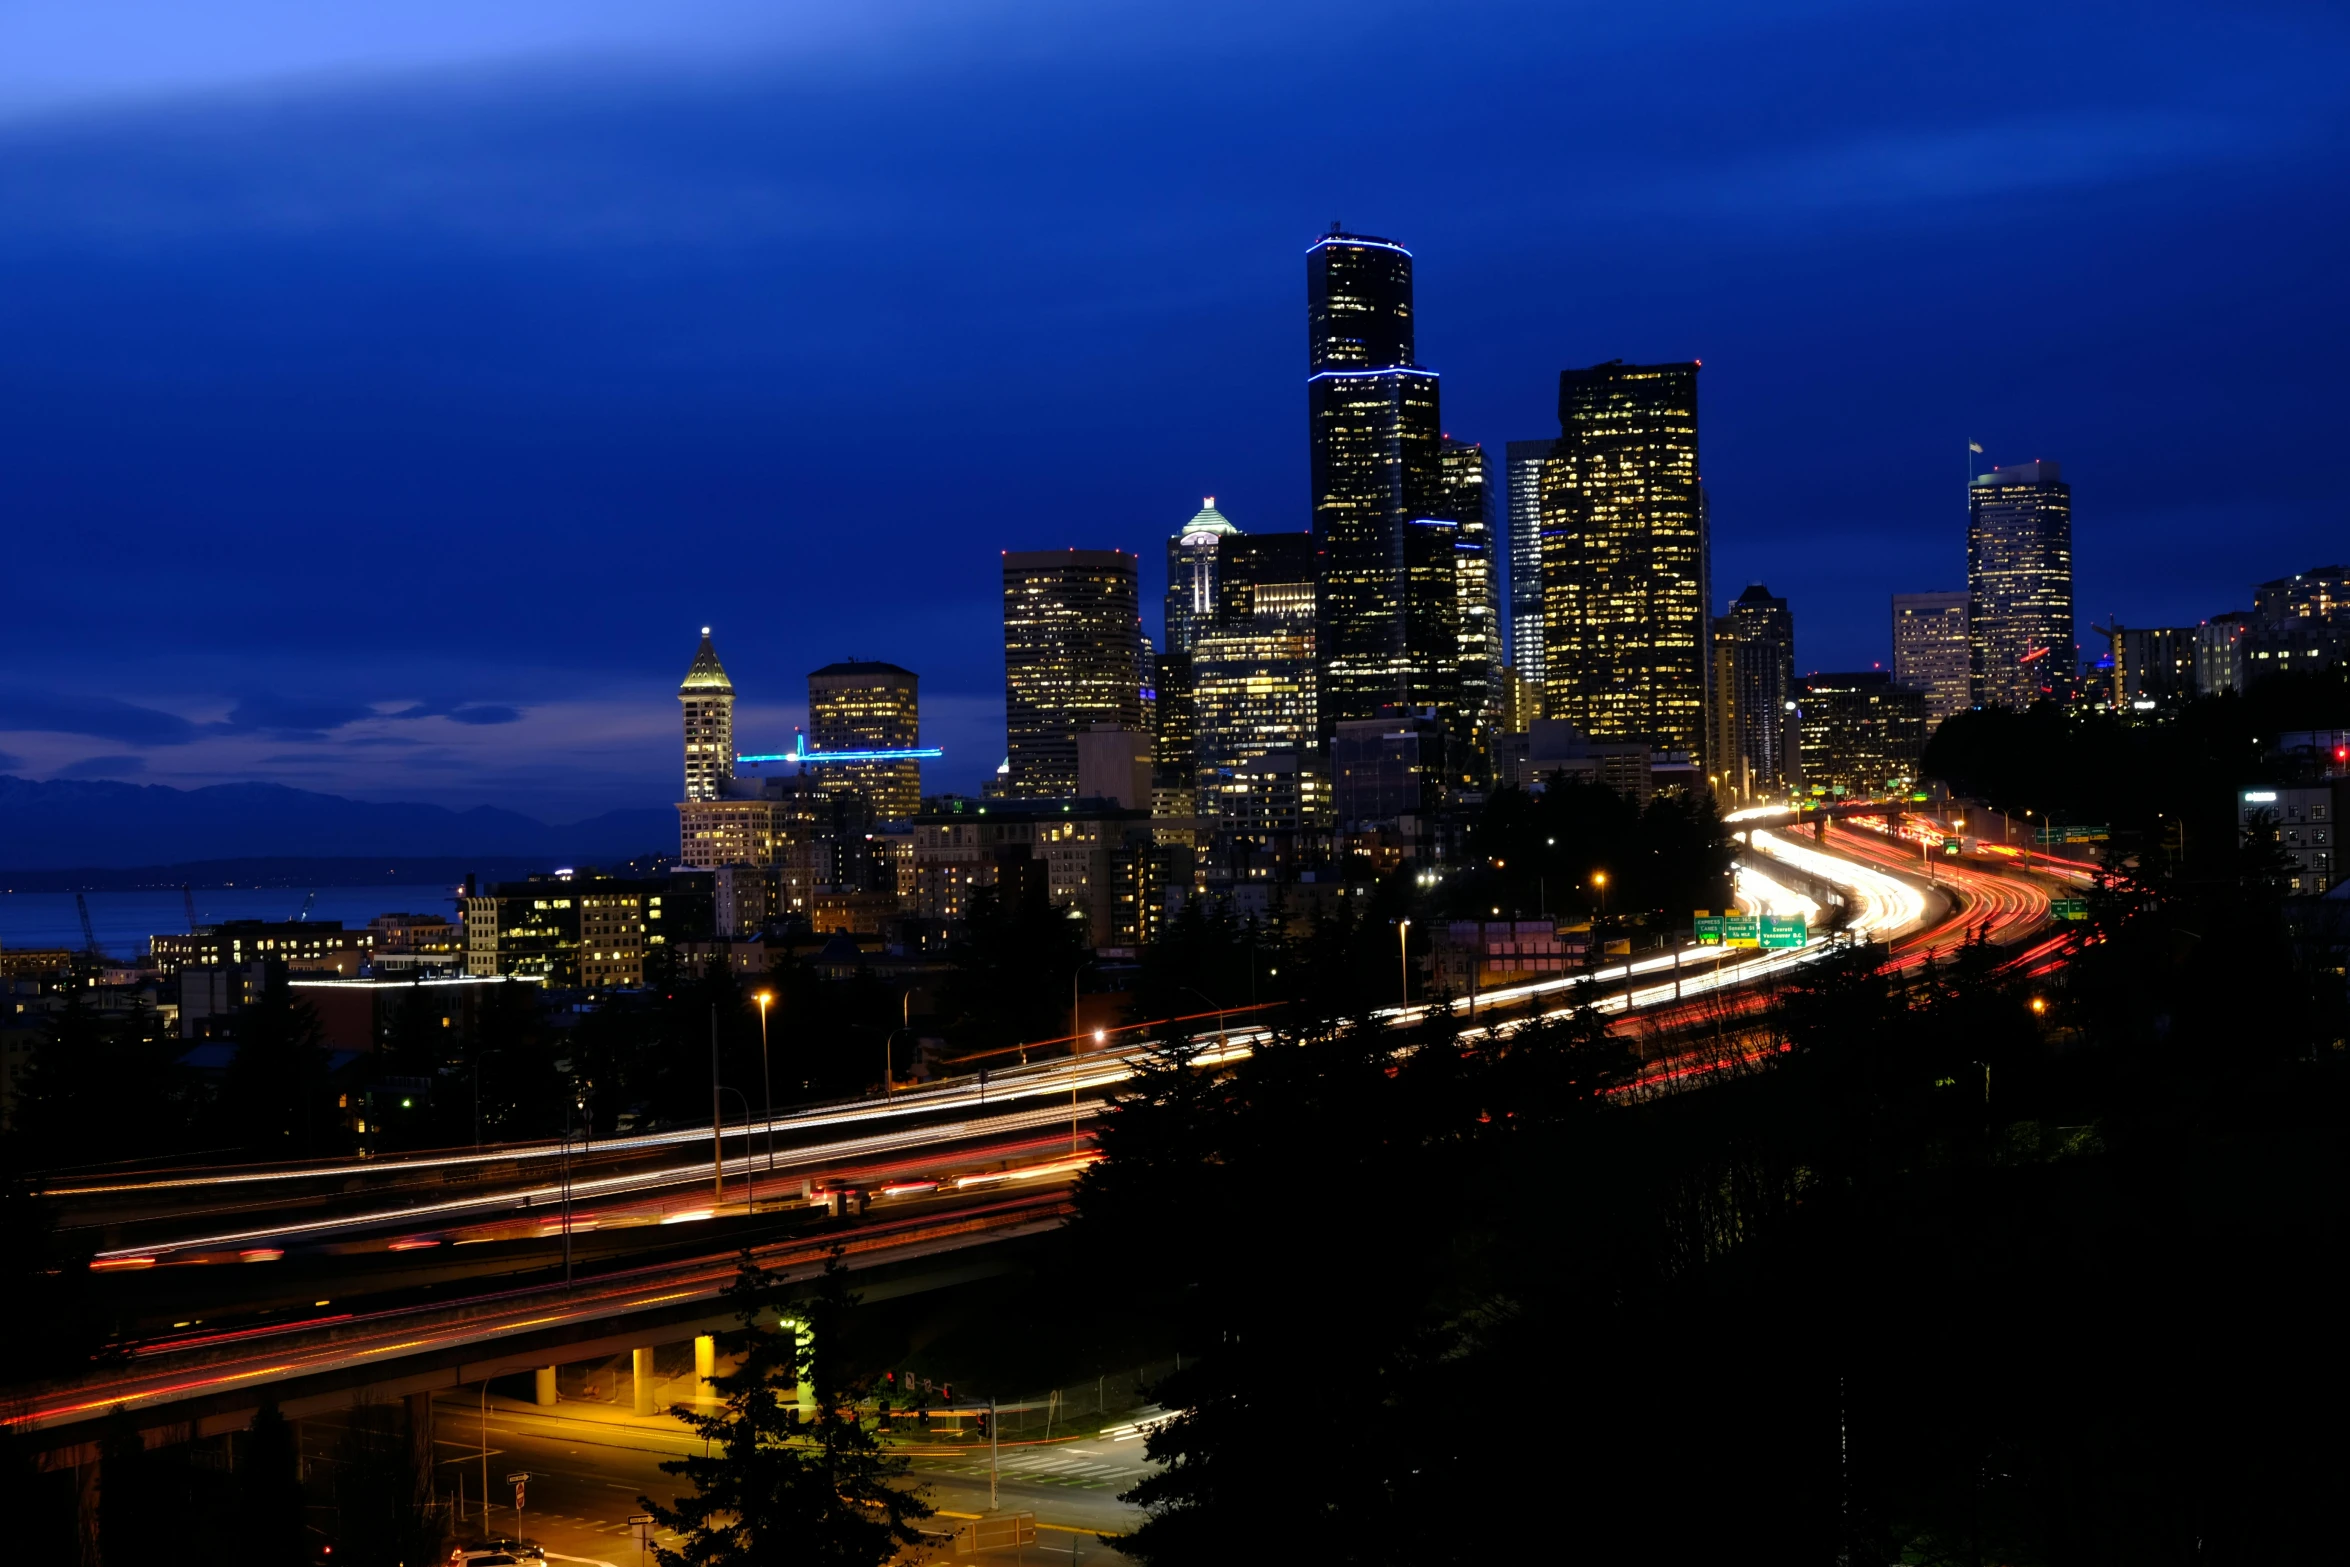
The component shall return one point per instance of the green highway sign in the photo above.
(1782, 930)
(1709, 931)
(2068, 908)
(1741, 930)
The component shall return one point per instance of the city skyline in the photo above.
(1837, 269)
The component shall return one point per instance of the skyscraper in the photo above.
(1522, 467)
(1374, 428)
(1464, 478)
(1930, 651)
(866, 706)
(708, 699)
(1191, 574)
(2020, 585)
(1624, 557)
(1254, 674)
(1072, 657)
(1752, 750)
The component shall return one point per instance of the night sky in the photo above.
(388, 395)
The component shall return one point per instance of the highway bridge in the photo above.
(310, 1284)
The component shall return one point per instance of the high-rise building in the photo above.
(1071, 659)
(1375, 432)
(1522, 467)
(708, 699)
(1624, 557)
(1253, 683)
(2020, 584)
(1464, 478)
(859, 706)
(1861, 733)
(1930, 651)
(1191, 574)
(1751, 750)
(2221, 646)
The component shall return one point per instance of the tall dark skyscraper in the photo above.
(865, 705)
(2020, 584)
(1375, 432)
(1753, 751)
(1624, 558)
(1072, 659)
(1522, 473)
(1930, 651)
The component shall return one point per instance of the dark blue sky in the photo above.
(385, 402)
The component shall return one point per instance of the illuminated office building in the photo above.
(866, 706)
(1375, 435)
(1750, 750)
(1860, 734)
(1464, 479)
(1624, 558)
(2020, 585)
(1930, 651)
(1191, 574)
(708, 699)
(1072, 659)
(1522, 470)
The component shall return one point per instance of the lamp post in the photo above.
(766, 1084)
(1599, 880)
(1403, 957)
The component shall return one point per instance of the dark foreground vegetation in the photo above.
(1975, 1269)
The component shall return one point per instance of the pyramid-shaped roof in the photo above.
(707, 676)
(1208, 520)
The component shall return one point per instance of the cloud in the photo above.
(103, 767)
(288, 717)
(461, 712)
(10, 761)
(100, 717)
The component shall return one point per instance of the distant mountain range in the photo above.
(61, 824)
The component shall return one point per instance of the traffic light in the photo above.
(983, 1422)
(922, 1418)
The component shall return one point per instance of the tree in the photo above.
(274, 1099)
(771, 1492)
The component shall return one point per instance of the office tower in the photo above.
(2147, 666)
(1464, 480)
(1749, 750)
(1071, 660)
(2020, 585)
(1175, 752)
(708, 699)
(862, 706)
(1374, 428)
(1286, 561)
(1191, 574)
(1432, 619)
(1522, 467)
(1624, 558)
(1861, 733)
(1253, 674)
(1930, 651)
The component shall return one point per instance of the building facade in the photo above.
(1072, 658)
(1465, 479)
(2019, 585)
(2305, 824)
(707, 697)
(1191, 574)
(1860, 733)
(1931, 651)
(1625, 563)
(1375, 433)
(862, 705)
(1754, 688)
(1522, 467)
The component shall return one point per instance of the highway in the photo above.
(962, 1162)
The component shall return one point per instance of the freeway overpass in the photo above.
(310, 1282)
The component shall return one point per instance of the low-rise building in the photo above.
(1861, 734)
(2305, 822)
(1553, 748)
(299, 944)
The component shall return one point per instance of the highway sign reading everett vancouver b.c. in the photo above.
(2068, 908)
(1781, 930)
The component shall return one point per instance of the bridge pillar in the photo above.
(641, 1364)
(546, 1387)
(705, 1365)
(420, 1448)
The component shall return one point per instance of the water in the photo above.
(124, 920)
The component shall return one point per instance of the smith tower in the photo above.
(1375, 431)
(708, 699)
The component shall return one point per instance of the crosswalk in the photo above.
(1043, 1467)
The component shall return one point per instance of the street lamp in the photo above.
(1599, 880)
(766, 1086)
(1403, 957)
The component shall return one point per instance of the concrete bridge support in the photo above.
(641, 1367)
(546, 1387)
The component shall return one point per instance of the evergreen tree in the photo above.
(770, 1493)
